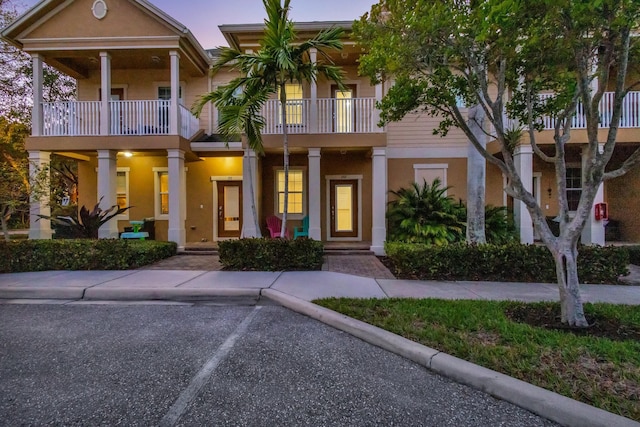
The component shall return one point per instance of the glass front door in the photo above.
(344, 208)
(229, 208)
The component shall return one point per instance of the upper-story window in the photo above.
(294, 103)
(164, 93)
(574, 187)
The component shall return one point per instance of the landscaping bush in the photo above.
(510, 263)
(271, 254)
(81, 254)
(634, 254)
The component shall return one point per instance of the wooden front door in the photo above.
(229, 208)
(344, 111)
(344, 207)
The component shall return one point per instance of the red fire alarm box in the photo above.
(601, 211)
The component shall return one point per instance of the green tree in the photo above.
(499, 56)
(282, 58)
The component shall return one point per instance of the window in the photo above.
(574, 187)
(294, 104)
(296, 191)
(164, 93)
(122, 191)
(161, 193)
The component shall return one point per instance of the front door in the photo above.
(229, 208)
(344, 109)
(344, 207)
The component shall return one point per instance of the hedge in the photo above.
(262, 254)
(81, 254)
(508, 263)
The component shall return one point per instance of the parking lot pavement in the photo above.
(216, 365)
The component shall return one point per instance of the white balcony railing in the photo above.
(82, 118)
(630, 113)
(325, 115)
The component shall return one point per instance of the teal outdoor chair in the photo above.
(302, 231)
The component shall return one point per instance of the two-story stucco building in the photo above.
(137, 144)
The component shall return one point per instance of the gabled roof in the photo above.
(45, 9)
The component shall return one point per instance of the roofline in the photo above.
(181, 28)
(228, 30)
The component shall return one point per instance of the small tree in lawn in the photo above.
(281, 59)
(500, 56)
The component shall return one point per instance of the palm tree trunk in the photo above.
(253, 198)
(285, 137)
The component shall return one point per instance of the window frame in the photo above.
(576, 190)
(292, 103)
(157, 195)
(126, 171)
(277, 193)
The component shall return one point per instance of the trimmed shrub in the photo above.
(262, 254)
(634, 254)
(81, 254)
(510, 263)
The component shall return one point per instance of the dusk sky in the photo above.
(202, 17)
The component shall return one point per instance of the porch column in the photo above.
(174, 119)
(177, 197)
(313, 108)
(250, 226)
(523, 159)
(36, 112)
(379, 201)
(593, 232)
(39, 228)
(375, 117)
(105, 92)
(107, 190)
(476, 178)
(315, 231)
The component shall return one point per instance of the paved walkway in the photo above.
(306, 285)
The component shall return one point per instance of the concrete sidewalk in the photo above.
(306, 285)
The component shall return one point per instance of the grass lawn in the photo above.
(600, 366)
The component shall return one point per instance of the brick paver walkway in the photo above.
(358, 265)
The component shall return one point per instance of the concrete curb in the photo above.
(181, 294)
(542, 402)
(41, 293)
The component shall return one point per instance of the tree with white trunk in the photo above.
(516, 62)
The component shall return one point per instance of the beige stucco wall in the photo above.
(402, 174)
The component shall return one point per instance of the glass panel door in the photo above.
(344, 208)
(229, 208)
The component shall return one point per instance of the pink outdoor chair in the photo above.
(274, 224)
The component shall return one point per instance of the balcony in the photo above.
(82, 118)
(630, 117)
(325, 115)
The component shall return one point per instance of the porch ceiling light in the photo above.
(127, 153)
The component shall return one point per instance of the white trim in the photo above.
(419, 166)
(156, 193)
(215, 180)
(124, 216)
(305, 192)
(431, 152)
(328, 179)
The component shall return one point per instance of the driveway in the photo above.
(197, 364)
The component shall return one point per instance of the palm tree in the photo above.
(281, 59)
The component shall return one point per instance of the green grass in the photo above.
(598, 371)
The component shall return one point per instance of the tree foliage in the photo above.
(502, 56)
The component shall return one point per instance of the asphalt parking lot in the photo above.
(155, 364)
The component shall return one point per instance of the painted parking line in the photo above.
(200, 379)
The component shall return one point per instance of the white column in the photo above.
(313, 108)
(105, 92)
(523, 158)
(593, 232)
(375, 117)
(177, 209)
(107, 190)
(174, 119)
(250, 226)
(379, 201)
(315, 231)
(36, 112)
(39, 228)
